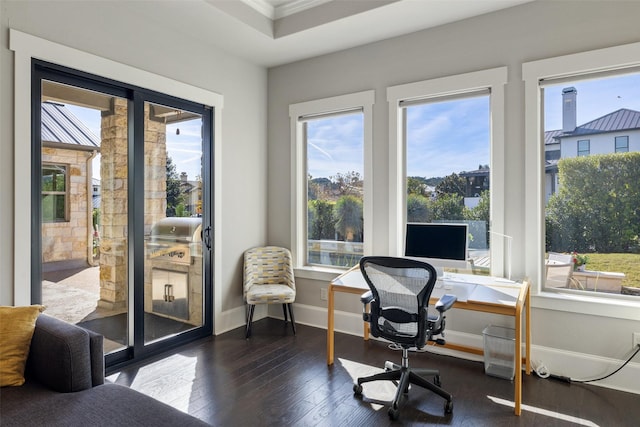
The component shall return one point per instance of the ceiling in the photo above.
(276, 32)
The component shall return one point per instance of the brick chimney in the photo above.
(569, 109)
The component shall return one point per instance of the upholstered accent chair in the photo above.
(268, 279)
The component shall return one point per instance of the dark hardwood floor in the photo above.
(276, 379)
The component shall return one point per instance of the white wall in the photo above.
(600, 143)
(505, 38)
(126, 32)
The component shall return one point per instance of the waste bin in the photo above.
(499, 351)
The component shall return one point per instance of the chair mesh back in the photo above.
(401, 290)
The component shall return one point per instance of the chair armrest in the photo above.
(61, 356)
(367, 297)
(445, 302)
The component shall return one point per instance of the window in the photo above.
(447, 165)
(446, 135)
(331, 145)
(54, 193)
(622, 144)
(584, 147)
(592, 215)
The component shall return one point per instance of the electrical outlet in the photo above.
(323, 294)
(636, 339)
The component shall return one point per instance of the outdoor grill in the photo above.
(172, 247)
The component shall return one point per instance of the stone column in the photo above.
(113, 206)
(113, 171)
(155, 188)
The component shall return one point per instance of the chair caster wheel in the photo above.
(436, 380)
(394, 413)
(357, 389)
(448, 407)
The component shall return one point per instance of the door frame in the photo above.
(27, 48)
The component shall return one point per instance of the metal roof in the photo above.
(61, 126)
(550, 136)
(622, 119)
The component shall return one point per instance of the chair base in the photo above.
(285, 308)
(403, 376)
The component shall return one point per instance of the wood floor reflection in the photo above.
(277, 379)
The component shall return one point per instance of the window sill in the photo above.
(606, 306)
(325, 274)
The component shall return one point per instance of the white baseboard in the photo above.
(577, 366)
(236, 318)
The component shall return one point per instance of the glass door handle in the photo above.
(207, 237)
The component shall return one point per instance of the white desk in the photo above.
(477, 293)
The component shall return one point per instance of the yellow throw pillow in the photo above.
(16, 329)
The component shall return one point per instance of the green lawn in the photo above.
(629, 264)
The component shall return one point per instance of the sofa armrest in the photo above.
(61, 356)
(96, 347)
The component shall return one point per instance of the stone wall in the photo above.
(67, 241)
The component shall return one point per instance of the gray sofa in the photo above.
(65, 386)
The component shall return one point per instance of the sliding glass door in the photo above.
(122, 211)
(174, 232)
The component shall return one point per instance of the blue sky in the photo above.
(453, 136)
(335, 144)
(185, 149)
(442, 137)
(595, 98)
(447, 137)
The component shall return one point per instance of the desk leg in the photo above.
(518, 362)
(528, 332)
(330, 334)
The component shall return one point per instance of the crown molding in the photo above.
(282, 8)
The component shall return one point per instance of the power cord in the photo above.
(542, 371)
(607, 376)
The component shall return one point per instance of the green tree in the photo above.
(181, 210)
(447, 206)
(321, 221)
(349, 222)
(417, 185)
(349, 183)
(482, 211)
(174, 192)
(417, 208)
(598, 205)
(452, 184)
(479, 221)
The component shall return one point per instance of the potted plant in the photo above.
(579, 261)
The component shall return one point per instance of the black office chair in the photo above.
(399, 299)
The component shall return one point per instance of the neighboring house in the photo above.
(477, 181)
(68, 148)
(615, 132)
(192, 191)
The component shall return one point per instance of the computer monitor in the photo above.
(443, 245)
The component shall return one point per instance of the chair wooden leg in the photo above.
(293, 322)
(249, 320)
(284, 310)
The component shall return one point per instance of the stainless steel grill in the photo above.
(172, 245)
